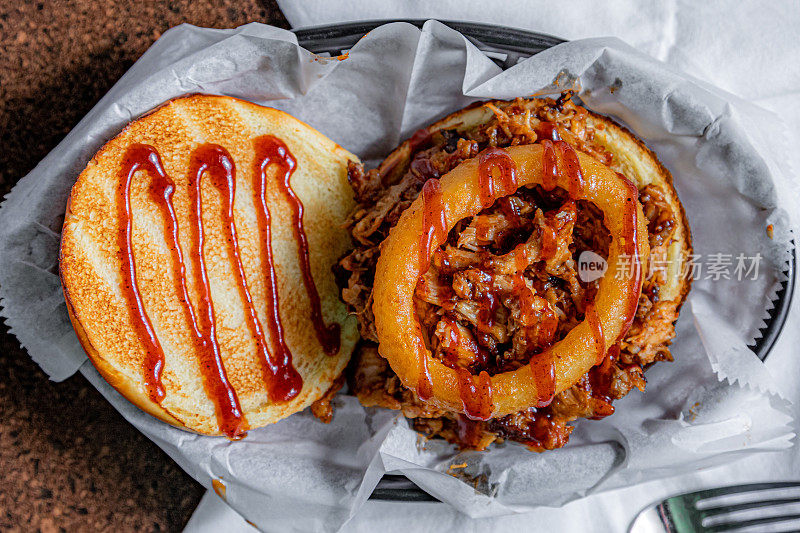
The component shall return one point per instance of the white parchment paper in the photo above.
(717, 401)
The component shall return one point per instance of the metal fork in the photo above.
(756, 507)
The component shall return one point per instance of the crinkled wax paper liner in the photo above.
(395, 80)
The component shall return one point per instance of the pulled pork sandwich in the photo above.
(481, 317)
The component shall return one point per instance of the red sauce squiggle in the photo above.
(476, 398)
(229, 415)
(549, 166)
(141, 157)
(469, 431)
(549, 243)
(570, 163)
(597, 332)
(601, 377)
(215, 161)
(548, 325)
(601, 380)
(573, 169)
(424, 381)
(434, 225)
(547, 130)
(162, 189)
(630, 247)
(492, 187)
(521, 262)
(284, 383)
(543, 370)
(434, 230)
(541, 365)
(272, 151)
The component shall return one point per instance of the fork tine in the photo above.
(752, 522)
(738, 489)
(725, 509)
(682, 513)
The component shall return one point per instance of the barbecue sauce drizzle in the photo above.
(630, 247)
(543, 372)
(547, 130)
(283, 380)
(541, 365)
(549, 245)
(549, 166)
(597, 332)
(229, 415)
(214, 161)
(492, 187)
(601, 377)
(434, 225)
(476, 398)
(434, 229)
(271, 150)
(573, 169)
(144, 157)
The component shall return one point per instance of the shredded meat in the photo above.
(376, 385)
(490, 303)
(493, 296)
(323, 408)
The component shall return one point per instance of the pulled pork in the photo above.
(323, 408)
(493, 298)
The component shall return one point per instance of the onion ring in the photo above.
(460, 194)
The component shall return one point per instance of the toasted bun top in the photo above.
(95, 269)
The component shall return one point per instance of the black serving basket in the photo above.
(506, 47)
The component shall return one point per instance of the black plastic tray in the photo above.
(506, 47)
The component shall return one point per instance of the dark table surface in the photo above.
(68, 461)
